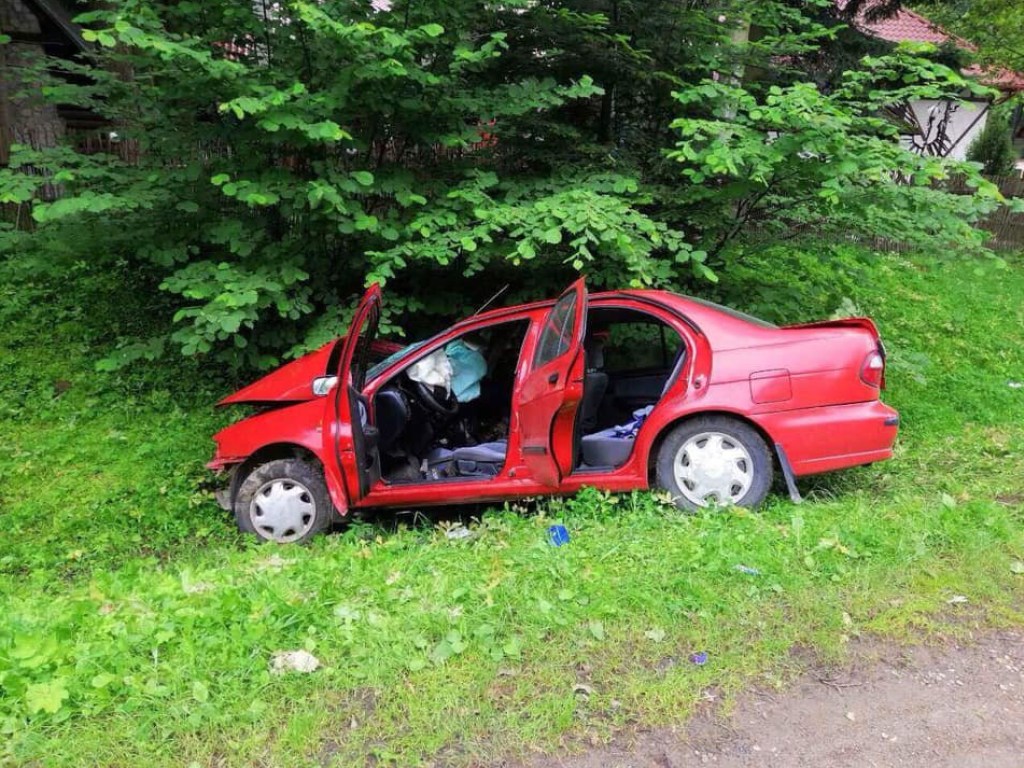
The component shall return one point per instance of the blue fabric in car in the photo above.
(468, 369)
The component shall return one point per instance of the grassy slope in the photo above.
(132, 608)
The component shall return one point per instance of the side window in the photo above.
(640, 346)
(557, 336)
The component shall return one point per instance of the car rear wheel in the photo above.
(714, 460)
(284, 501)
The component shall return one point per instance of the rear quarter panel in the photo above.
(800, 386)
(823, 368)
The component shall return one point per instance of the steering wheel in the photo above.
(427, 397)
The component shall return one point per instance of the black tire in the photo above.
(734, 433)
(302, 511)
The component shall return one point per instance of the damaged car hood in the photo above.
(291, 383)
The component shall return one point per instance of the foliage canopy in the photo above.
(271, 160)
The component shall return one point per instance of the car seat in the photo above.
(595, 383)
(484, 460)
(611, 447)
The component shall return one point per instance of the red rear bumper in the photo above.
(835, 436)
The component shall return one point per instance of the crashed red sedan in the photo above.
(619, 390)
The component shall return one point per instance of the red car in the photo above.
(619, 390)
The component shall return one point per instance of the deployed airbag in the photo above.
(468, 369)
(434, 370)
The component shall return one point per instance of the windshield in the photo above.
(378, 368)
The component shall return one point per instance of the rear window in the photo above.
(732, 312)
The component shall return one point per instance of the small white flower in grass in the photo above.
(293, 661)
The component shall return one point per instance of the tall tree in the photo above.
(272, 159)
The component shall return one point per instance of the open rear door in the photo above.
(354, 438)
(550, 394)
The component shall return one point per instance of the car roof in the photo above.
(724, 328)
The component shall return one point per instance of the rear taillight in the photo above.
(872, 372)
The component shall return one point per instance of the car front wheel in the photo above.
(284, 501)
(714, 460)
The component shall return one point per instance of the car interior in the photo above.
(445, 416)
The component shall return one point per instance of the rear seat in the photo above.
(611, 447)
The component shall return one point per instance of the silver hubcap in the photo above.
(282, 510)
(713, 467)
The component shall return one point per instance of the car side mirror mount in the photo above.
(323, 384)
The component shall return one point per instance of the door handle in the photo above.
(553, 378)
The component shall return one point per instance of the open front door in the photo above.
(355, 440)
(551, 392)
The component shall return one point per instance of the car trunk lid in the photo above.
(865, 324)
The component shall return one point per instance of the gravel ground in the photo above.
(926, 707)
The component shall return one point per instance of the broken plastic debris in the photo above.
(558, 535)
(1015, 384)
(700, 658)
(957, 600)
(294, 661)
(747, 570)
(458, 532)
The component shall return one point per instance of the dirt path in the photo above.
(930, 707)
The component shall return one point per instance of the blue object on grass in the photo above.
(700, 659)
(558, 535)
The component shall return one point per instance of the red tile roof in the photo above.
(907, 26)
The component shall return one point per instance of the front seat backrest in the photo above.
(392, 416)
(595, 384)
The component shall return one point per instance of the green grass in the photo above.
(134, 611)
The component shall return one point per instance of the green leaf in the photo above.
(200, 692)
(526, 250)
(432, 30)
(363, 177)
(46, 697)
(102, 680)
(596, 630)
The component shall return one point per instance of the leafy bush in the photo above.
(265, 166)
(797, 159)
(993, 147)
